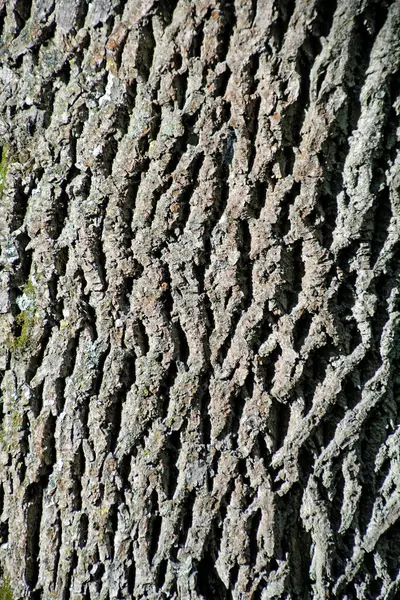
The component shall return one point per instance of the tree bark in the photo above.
(199, 299)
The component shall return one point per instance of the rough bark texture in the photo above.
(199, 301)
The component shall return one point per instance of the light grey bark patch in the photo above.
(70, 15)
(98, 12)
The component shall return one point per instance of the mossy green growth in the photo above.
(6, 591)
(26, 320)
(3, 168)
(29, 288)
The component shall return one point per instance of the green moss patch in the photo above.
(3, 168)
(26, 320)
(6, 591)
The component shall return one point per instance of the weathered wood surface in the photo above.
(199, 299)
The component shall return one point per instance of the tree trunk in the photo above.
(199, 299)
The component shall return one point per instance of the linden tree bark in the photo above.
(199, 299)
